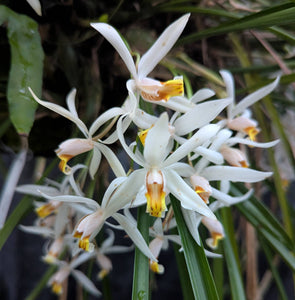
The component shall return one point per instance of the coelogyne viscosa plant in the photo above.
(186, 149)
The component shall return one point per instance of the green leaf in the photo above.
(270, 258)
(140, 289)
(231, 256)
(277, 15)
(25, 70)
(260, 216)
(286, 254)
(196, 261)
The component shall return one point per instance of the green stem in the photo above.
(197, 264)
(140, 289)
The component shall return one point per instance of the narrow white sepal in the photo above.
(192, 221)
(188, 198)
(201, 115)
(161, 47)
(254, 97)
(236, 140)
(134, 235)
(112, 159)
(35, 4)
(229, 200)
(86, 282)
(234, 174)
(63, 112)
(156, 142)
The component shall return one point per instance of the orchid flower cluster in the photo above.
(191, 151)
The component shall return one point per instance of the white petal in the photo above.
(192, 221)
(114, 136)
(202, 114)
(71, 102)
(208, 154)
(174, 238)
(120, 132)
(212, 254)
(45, 231)
(114, 38)
(126, 192)
(156, 142)
(109, 241)
(144, 120)
(254, 97)
(202, 135)
(201, 95)
(113, 186)
(230, 89)
(105, 117)
(188, 198)
(74, 199)
(61, 220)
(82, 258)
(95, 161)
(229, 200)
(35, 189)
(134, 234)
(183, 169)
(35, 4)
(86, 283)
(63, 112)
(118, 249)
(161, 47)
(235, 174)
(112, 159)
(236, 140)
(178, 103)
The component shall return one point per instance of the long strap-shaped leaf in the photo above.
(277, 15)
(197, 264)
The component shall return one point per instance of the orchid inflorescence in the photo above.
(180, 153)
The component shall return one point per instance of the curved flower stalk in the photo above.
(150, 89)
(66, 269)
(73, 147)
(238, 117)
(160, 171)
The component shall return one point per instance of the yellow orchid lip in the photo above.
(45, 210)
(164, 91)
(203, 194)
(216, 237)
(252, 132)
(56, 288)
(156, 268)
(63, 166)
(155, 194)
(85, 244)
(143, 134)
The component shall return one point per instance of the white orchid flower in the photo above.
(150, 89)
(116, 196)
(108, 247)
(160, 171)
(65, 269)
(238, 117)
(72, 147)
